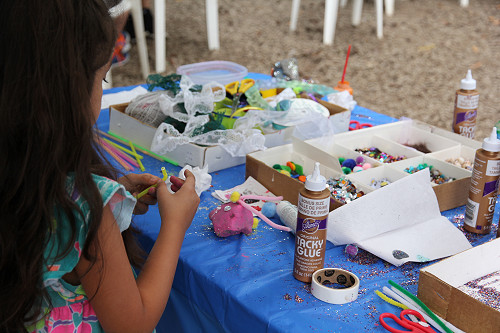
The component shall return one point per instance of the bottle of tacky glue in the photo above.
(480, 205)
(466, 103)
(312, 217)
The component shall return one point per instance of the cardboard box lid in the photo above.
(438, 288)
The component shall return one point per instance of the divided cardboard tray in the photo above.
(216, 157)
(394, 139)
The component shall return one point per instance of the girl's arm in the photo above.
(121, 303)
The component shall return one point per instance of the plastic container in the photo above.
(223, 72)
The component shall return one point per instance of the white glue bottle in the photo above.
(483, 190)
(310, 236)
(466, 104)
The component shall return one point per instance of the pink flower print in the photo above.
(76, 318)
(77, 248)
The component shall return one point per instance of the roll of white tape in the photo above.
(334, 285)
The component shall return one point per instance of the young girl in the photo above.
(65, 264)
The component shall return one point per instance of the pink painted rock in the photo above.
(231, 219)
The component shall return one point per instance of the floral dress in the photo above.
(71, 310)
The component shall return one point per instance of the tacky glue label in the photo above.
(310, 237)
(464, 120)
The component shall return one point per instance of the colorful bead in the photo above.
(461, 162)
(379, 155)
(436, 176)
(302, 178)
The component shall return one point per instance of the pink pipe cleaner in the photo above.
(256, 212)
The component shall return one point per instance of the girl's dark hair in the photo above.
(51, 50)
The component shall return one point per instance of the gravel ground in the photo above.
(413, 71)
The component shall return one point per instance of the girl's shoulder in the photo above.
(113, 194)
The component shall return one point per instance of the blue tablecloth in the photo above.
(245, 283)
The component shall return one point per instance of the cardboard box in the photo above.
(216, 157)
(390, 138)
(438, 288)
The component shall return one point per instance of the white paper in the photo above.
(121, 97)
(400, 222)
(249, 187)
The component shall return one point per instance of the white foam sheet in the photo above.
(402, 217)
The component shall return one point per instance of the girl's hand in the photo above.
(135, 184)
(178, 209)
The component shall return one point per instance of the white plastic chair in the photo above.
(212, 14)
(331, 12)
(389, 5)
(140, 37)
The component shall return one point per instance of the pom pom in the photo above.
(346, 170)
(360, 160)
(285, 172)
(341, 160)
(349, 163)
(367, 166)
(235, 196)
(357, 168)
(268, 209)
(299, 169)
(287, 168)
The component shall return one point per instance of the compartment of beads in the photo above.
(377, 177)
(440, 171)
(378, 148)
(418, 139)
(460, 156)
